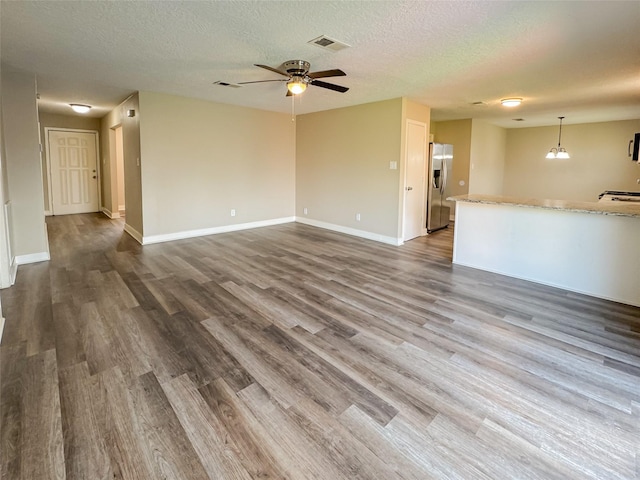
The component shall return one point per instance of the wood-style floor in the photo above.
(293, 352)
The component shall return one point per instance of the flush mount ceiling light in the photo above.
(297, 85)
(511, 102)
(79, 108)
(558, 152)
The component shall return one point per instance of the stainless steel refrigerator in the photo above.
(440, 168)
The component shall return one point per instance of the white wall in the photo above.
(23, 167)
(598, 161)
(588, 253)
(487, 157)
(202, 159)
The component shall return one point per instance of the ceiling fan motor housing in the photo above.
(296, 67)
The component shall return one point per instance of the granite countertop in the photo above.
(625, 209)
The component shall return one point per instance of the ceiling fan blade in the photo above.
(330, 86)
(271, 69)
(289, 94)
(336, 72)
(263, 81)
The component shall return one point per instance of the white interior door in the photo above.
(73, 169)
(414, 199)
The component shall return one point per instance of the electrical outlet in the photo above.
(358, 217)
(306, 210)
(233, 212)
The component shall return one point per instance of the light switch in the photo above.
(393, 165)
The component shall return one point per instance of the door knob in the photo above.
(95, 176)
(409, 188)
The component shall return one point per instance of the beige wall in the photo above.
(418, 112)
(132, 162)
(5, 240)
(60, 121)
(23, 166)
(342, 166)
(487, 157)
(458, 134)
(598, 161)
(201, 159)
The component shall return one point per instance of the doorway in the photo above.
(73, 171)
(414, 184)
(119, 164)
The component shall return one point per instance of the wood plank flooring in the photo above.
(293, 352)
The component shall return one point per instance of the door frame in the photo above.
(423, 220)
(48, 161)
(114, 168)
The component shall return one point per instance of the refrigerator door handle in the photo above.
(443, 183)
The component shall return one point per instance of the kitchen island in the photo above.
(586, 247)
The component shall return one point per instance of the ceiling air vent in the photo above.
(227, 84)
(328, 43)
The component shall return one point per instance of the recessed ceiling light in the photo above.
(78, 108)
(511, 102)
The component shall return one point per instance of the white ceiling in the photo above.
(577, 59)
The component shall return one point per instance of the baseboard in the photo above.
(169, 237)
(109, 213)
(134, 233)
(1, 327)
(32, 258)
(351, 231)
(48, 213)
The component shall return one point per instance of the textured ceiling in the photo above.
(577, 59)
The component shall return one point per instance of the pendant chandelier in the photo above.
(558, 152)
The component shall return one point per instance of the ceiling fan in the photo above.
(298, 77)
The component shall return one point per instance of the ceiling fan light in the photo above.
(563, 154)
(79, 108)
(511, 102)
(552, 154)
(296, 85)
